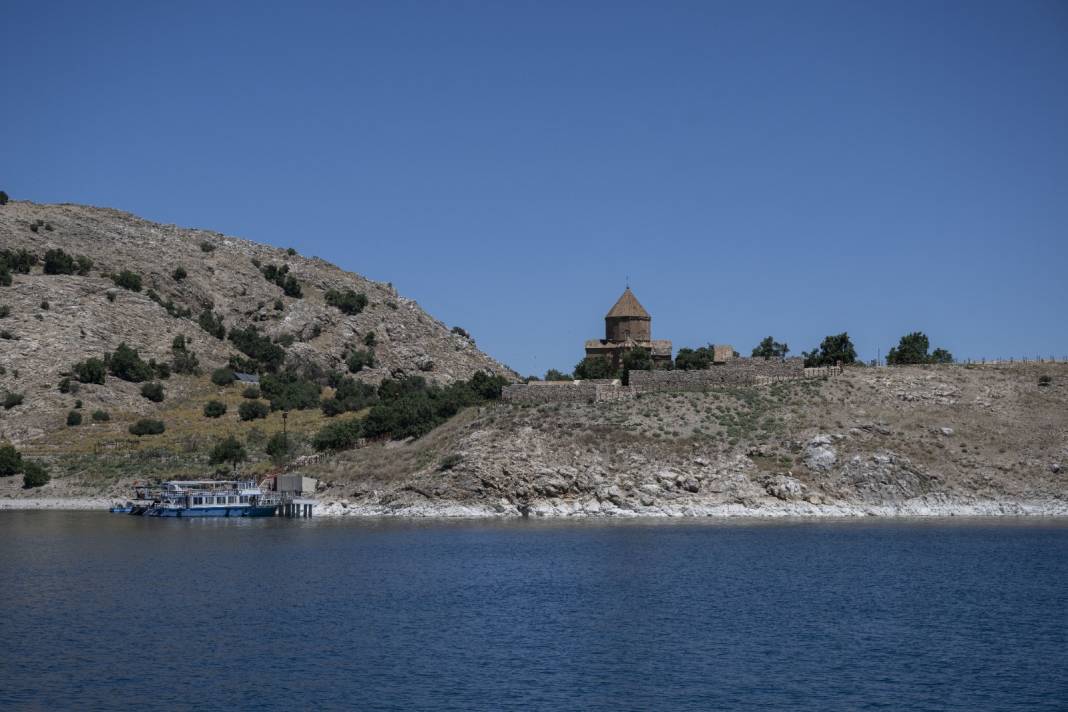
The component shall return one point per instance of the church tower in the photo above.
(627, 320)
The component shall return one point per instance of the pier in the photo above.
(295, 507)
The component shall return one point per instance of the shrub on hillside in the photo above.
(127, 280)
(214, 409)
(251, 392)
(126, 363)
(74, 418)
(212, 323)
(147, 426)
(207, 247)
(12, 399)
(3, 198)
(460, 331)
(101, 416)
(91, 370)
(1044, 381)
(369, 339)
(281, 276)
(348, 301)
(338, 435)
(34, 474)
(222, 377)
(59, 262)
(290, 391)
(253, 410)
(258, 347)
(11, 462)
(449, 462)
(153, 392)
(360, 359)
(179, 273)
(5, 311)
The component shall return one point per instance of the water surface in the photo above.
(103, 611)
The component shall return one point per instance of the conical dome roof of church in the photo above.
(627, 306)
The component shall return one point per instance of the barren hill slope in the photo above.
(904, 440)
(56, 320)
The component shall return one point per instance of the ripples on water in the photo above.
(106, 611)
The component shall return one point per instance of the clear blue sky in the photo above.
(786, 168)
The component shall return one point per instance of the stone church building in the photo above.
(626, 326)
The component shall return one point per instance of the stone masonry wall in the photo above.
(737, 372)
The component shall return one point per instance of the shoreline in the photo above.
(604, 510)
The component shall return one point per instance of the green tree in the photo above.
(212, 323)
(338, 435)
(228, 450)
(594, 367)
(279, 447)
(147, 426)
(153, 391)
(126, 364)
(127, 280)
(35, 474)
(214, 409)
(912, 349)
(74, 418)
(348, 301)
(59, 262)
(11, 462)
(223, 377)
(769, 348)
(91, 370)
(834, 349)
(694, 359)
(635, 359)
(252, 410)
(360, 359)
(553, 375)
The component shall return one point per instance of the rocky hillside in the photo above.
(904, 440)
(51, 321)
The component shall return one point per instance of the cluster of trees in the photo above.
(694, 359)
(34, 474)
(263, 354)
(833, 349)
(124, 363)
(212, 323)
(409, 407)
(19, 261)
(598, 367)
(348, 301)
(769, 349)
(59, 262)
(281, 276)
(912, 348)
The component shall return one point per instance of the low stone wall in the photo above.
(737, 372)
(565, 392)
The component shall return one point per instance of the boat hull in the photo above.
(197, 512)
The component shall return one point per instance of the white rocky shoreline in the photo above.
(592, 509)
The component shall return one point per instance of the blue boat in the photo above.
(202, 498)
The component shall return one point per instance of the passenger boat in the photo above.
(201, 498)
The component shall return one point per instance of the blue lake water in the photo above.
(103, 611)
